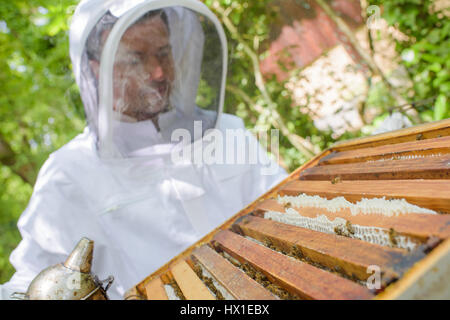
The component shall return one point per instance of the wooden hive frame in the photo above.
(295, 262)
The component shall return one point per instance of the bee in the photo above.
(336, 179)
(349, 227)
(392, 236)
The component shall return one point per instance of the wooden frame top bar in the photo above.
(432, 194)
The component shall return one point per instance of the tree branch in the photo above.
(306, 147)
(368, 59)
(9, 159)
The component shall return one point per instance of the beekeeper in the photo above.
(149, 73)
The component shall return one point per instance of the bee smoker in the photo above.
(71, 280)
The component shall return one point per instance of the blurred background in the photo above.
(320, 71)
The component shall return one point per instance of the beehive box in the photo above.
(366, 219)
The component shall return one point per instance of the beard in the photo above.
(148, 102)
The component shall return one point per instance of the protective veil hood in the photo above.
(146, 68)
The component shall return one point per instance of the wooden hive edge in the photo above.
(364, 141)
(423, 278)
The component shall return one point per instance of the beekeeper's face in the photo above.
(143, 70)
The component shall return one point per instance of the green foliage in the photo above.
(425, 50)
(253, 21)
(14, 195)
(40, 108)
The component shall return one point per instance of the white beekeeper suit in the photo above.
(150, 73)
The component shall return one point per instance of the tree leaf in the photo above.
(441, 109)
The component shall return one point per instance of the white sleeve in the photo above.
(50, 227)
